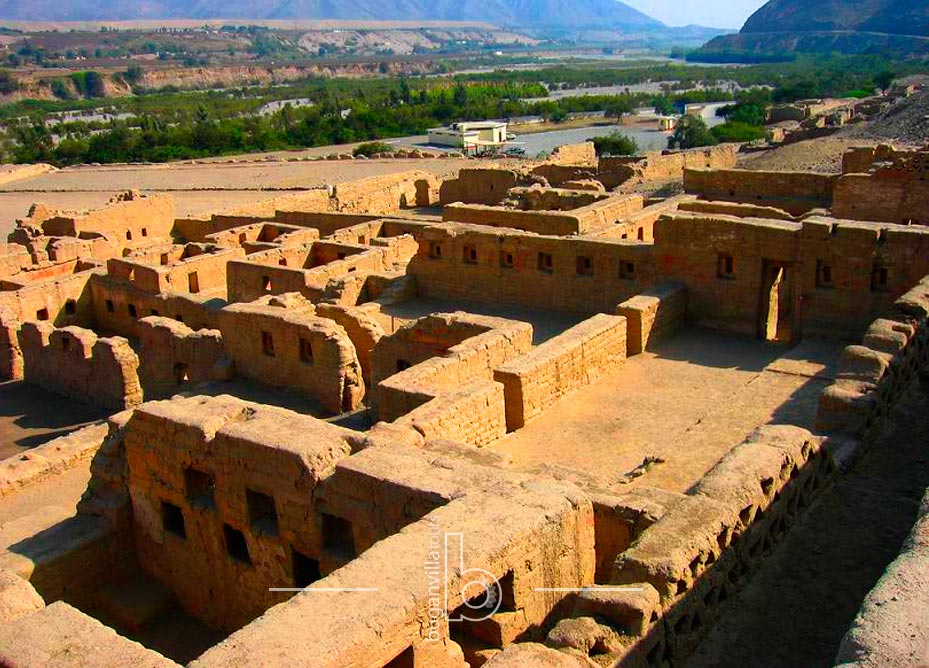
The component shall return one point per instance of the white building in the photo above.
(470, 136)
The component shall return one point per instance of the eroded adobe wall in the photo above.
(654, 315)
(794, 192)
(583, 153)
(239, 480)
(363, 330)
(897, 193)
(75, 363)
(64, 300)
(293, 349)
(562, 364)
(538, 222)
(479, 186)
(736, 209)
(173, 356)
(387, 193)
(584, 275)
(664, 165)
(14, 258)
(129, 217)
(11, 355)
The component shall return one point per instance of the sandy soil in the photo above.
(801, 602)
(814, 155)
(689, 401)
(197, 188)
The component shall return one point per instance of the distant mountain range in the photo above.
(527, 13)
(899, 27)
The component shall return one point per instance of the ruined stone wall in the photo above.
(654, 315)
(286, 348)
(569, 361)
(75, 363)
(794, 192)
(223, 498)
(511, 268)
(173, 356)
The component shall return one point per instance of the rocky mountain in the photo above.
(526, 13)
(898, 27)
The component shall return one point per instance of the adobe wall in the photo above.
(294, 349)
(11, 355)
(868, 267)
(129, 217)
(640, 224)
(327, 222)
(473, 413)
(664, 165)
(63, 300)
(861, 159)
(75, 363)
(558, 175)
(537, 222)
(571, 360)
(14, 258)
(736, 209)
(654, 315)
(221, 462)
(486, 186)
(583, 153)
(174, 356)
(387, 193)
(794, 192)
(537, 198)
(898, 193)
(256, 235)
(363, 330)
(618, 269)
(199, 269)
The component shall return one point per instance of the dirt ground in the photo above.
(798, 606)
(687, 402)
(814, 155)
(197, 188)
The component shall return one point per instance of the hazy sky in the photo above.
(713, 13)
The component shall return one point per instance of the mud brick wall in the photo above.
(794, 192)
(129, 218)
(492, 342)
(472, 413)
(263, 232)
(654, 315)
(14, 258)
(736, 209)
(872, 376)
(11, 355)
(327, 222)
(174, 355)
(362, 329)
(538, 222)
(118, 307)
(618, 269)
(859, 256)
(229, 466)
(700, 551)
(280, 347)
(479, 186)
(664, 165)
(583, 153)
(640, 224)
(75, 363)
(537, 198)
(199, 270)
(518, 528)
(388, 193)
(894, 195)
(569, 361)
(63, 300)
(558, 175)
(861, 159)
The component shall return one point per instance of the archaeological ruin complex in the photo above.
(528, 416)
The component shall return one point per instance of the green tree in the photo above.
(884, 80)
(615, 143)
(619, 107)
(691, 132)
(663, 106)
